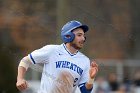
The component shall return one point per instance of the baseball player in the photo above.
(65, 67)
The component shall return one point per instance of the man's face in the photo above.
(79, 39)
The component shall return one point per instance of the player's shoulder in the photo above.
(83, 56)
(50, 46)
(85, 60)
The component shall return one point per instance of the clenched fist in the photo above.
(22, 84)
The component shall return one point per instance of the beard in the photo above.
(76, 45)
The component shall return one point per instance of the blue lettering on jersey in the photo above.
(66, 64)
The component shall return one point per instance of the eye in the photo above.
(79, 35)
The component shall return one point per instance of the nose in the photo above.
(84, 38)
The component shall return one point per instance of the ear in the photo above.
(69, 37)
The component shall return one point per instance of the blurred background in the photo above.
(113, 39)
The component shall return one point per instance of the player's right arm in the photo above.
(22, 68)
(37, 56)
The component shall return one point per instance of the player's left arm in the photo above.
(92, 73)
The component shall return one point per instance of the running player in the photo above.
(65, 67)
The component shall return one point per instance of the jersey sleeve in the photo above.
(85, 76)
(41, 55)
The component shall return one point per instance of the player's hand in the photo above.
(93, 69)
(22, 84)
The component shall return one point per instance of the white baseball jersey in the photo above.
(62, 71)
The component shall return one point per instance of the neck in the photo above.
(71, 49)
